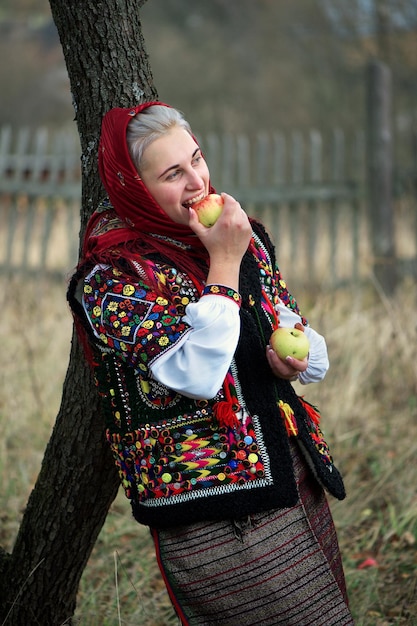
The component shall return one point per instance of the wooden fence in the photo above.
(309, 189)
(40, 190)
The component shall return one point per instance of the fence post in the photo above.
(380, 174)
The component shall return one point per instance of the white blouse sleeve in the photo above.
(318, 361)
(197, 366)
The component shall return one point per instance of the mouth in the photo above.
(192, 201)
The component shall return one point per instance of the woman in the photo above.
(217, 454)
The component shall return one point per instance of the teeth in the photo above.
(194, 200)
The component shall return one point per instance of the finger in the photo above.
(192, 218)
(194, 223)
(227, 196)
(299, 366)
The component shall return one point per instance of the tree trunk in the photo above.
(108, 66)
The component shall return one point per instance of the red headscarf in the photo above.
(135, 216)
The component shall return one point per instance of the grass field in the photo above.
(369, 406)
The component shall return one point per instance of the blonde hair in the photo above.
(149, 125)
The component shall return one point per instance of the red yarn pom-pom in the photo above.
(225, 414)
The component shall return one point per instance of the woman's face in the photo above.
(175, 173)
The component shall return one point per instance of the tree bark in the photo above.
(107, 66)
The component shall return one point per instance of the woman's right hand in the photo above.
(226, 241)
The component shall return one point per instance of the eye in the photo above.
(173, 175)
(197, 159)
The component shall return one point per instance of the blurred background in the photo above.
(284, 99)
(307, 112)
(232, 65)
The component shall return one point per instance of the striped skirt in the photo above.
(279, 567)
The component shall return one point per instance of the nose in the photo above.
(194, 179)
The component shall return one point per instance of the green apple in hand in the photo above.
(290, 342)
(209, 209)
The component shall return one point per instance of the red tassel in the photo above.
(310, 410)
(225, 414)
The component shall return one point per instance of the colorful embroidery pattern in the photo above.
(313, 421)
(171, 449)
(134, 321)
(221, 290)
(131, 397)
(275, 288)
(108, 221)
(189, 454)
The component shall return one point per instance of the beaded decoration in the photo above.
(171, 449)
(189, 453)
(274, 286)
(313, 425)
(137, 323)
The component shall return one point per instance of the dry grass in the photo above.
(369, 406)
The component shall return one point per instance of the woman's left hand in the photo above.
(288, 368)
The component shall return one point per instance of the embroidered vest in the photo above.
(180, 460)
